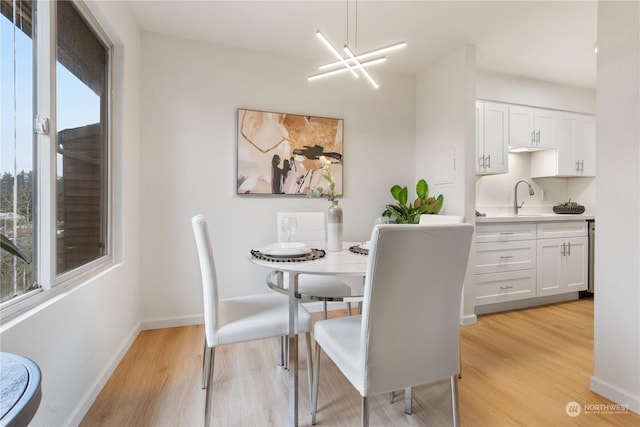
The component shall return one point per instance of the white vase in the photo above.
(334, 227)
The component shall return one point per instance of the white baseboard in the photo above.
(615, 394)
(198, 319)
(468, 319)
(81, 409)
(172, 322)
(525, 303)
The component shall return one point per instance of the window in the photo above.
(54, 200)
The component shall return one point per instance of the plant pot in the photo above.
(575, 210)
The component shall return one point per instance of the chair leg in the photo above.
(286, 353)
(365, 411)
(316, 380)
(455, 409)
(309, 365)
(460, 361)
(205, 364)
(280, 351)
(324, 311)
(208, 403)
(348, 309)
(408, 401)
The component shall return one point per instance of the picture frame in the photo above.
(279, 153)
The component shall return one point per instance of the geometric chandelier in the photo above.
(350, 62)
(355, 64)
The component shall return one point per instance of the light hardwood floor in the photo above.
(520, 368)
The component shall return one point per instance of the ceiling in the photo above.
(544, 40)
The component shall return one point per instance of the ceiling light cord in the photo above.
(347, 2)
(356, 35)
(356, 26)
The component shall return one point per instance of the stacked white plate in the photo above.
(286, 249)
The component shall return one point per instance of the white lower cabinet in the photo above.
(550, 259)
(503, 287)
(562, 264)
(505, 262)
(495, 257)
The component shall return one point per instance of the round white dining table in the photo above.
(343, 263)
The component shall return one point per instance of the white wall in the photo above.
(445, 142)
(498, 87)
(494, 193)
(617, 269)
(78, 338)
(191, 91)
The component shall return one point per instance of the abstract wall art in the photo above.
(279, 153)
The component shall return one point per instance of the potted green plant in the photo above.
(409, 213)
(568, 207)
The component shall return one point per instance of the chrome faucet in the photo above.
(515, 196)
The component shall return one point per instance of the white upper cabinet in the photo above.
(576, 153)
(492, 130)
(532, 127)
(584, 145)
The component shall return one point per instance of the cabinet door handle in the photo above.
(506, 287)
(533, 137)
(577, 165)
(481, 162)
(489, 161)
(581, 165)
(538, 138)
(563, 250)
(569, 249)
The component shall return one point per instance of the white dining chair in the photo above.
(240, 319)
(429, 219)
(408, 333)
(440, 219)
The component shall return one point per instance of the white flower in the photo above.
(326, 174)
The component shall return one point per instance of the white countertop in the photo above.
(533, 218)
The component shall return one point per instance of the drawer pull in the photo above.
(506, 232)
(504, 288)
(506, 256)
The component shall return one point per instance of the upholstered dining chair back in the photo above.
(411, 310)
(209, 280)
(440, 219)
(311, 226)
